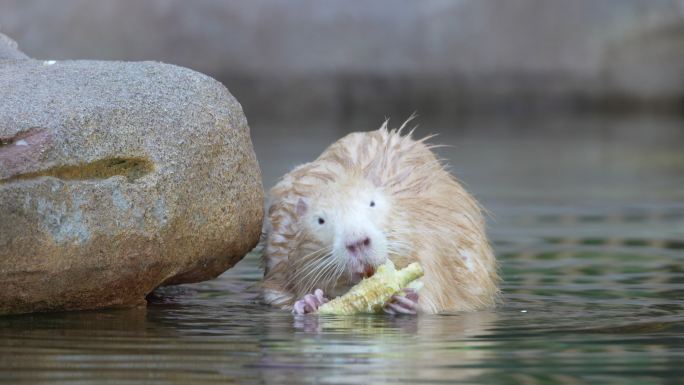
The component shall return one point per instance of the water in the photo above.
(587, 219)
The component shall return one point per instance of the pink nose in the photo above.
(360, 246)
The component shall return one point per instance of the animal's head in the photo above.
(348, 221)
(352, 205)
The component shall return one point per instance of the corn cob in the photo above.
(371, 294)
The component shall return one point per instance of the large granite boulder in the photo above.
(116, 178)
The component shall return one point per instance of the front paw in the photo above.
(309, 303)
(403, 303)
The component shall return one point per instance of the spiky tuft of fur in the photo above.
(432, 220)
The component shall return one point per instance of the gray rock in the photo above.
(116, 178)
(8, 49)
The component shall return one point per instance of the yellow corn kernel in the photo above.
(371, 294)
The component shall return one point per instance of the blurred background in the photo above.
(302, 58)
(543, 99)
(563, 117)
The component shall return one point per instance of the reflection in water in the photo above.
(588, 225)
(383, 349)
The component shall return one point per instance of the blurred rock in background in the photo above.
(302, 59)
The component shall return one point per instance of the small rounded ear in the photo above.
(301, 207)
(375, 179)
(372, 173)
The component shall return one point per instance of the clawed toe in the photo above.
(320, 297)
(309, 303)
(404, 301)
(299, 307)
(403, 304)
(411, 294)
(399, 309)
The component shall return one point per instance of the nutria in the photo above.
(368, 197)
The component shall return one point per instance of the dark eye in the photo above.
(372, 204)
(321, 221)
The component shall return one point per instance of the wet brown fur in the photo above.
(438, 223)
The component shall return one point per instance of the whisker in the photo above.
(306, 270)
(337, 272)
(310, 283)
(314, 270)
(321, 277)
(312, 254)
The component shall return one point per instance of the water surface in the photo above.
(587, 219)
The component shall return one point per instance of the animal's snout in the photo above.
(359, 247)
